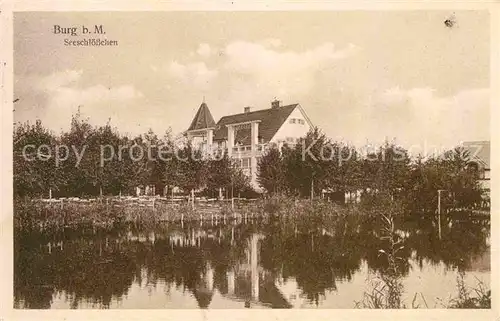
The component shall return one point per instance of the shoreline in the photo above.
(106, 212)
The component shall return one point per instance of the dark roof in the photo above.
(203, 119)
(479, 152)
(270, 121)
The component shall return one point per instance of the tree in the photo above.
(219, 172)
(460, 179)
(449, 172)
(191, 168)
(349, 171)
(79, 170)
(240, 182)
(270, 171)
(386, 170)
(307, 164)
(35, 168)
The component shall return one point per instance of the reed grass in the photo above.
(477, 297)
(387, 287)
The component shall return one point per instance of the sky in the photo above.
(361, 76)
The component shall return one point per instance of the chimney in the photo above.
(247, 110)
(275, 103)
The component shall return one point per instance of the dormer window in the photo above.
(297, 121)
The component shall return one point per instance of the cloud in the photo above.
(204, 50)
(255, 72)
(63, 95)
(58, 80)
(259, 60)
(63, 91)
(192, 74)
(272, 42)
(419, 117)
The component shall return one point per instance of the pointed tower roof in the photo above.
(203, 118)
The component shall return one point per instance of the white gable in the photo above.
(295, 126)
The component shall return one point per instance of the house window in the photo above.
(297, 121)
(245, 162)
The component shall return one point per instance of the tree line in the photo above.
(313, 165)
(316, 164)
(75, 163)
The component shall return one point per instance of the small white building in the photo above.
(480, 160)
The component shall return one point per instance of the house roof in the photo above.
(479, 151)
(270, 122)
(203, 119)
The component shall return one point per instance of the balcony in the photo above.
(247, 149)
(237, 151)
(242, 149)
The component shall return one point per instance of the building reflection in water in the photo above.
(246, 281)
(257, 265)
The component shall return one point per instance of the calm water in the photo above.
(253, 264)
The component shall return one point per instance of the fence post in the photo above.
(232, 196)
(439, 211)
(192, 198)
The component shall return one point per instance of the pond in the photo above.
(248, 263)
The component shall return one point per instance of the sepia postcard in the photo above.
(246, 161)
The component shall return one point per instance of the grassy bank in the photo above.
(36, 214)
(31, 214)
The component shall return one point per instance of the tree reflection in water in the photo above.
(242, 262)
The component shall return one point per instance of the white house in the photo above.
(480, 160)
(245, 136)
